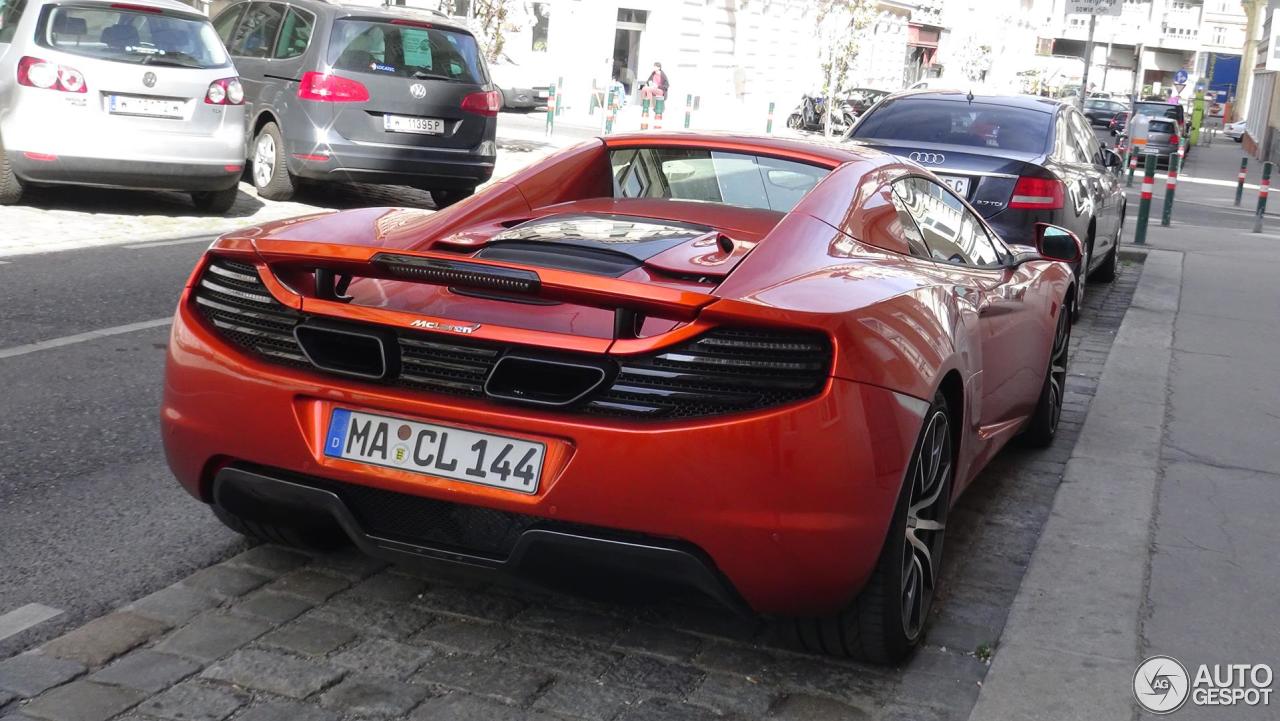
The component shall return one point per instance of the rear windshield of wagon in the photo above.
(135, 34)
(405, 49)
(712, 176)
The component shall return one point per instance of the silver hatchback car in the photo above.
(137, 94)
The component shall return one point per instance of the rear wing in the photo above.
(315, 276)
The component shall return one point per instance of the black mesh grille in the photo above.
(725, 370)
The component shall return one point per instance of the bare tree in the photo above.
(492, 19)
(840, 26)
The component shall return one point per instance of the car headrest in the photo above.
(119, 36)
(64, 24)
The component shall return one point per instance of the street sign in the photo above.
(1095, 7)
(1180, 78)
(1178, 88)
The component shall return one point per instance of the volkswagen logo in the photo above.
(930, 158)
(149, 80)
(418, 90)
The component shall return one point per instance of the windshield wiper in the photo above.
(165, 62)
(432, 76)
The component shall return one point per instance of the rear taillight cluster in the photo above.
(37, 73)
(1174, 139)
(483, 103)
(225, 91)
(326, 88)
(1037, 193)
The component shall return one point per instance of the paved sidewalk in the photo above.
(1162, 536)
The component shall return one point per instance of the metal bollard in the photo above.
(688, 110)
(1133, 165)
(1144, 205)
(611, 112)
(768, 126)
(551, 109)
(559, 86)
(1244, 169)
(1170, 185)
(644, 114)
(1263, 187)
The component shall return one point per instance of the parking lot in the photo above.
(268, 632)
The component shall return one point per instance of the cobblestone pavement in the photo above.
(274, 634)
(65, 217)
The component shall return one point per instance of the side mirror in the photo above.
(1057, 243)
(1112, 158)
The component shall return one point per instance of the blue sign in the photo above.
(1180, 77)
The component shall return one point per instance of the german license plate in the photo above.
(957, 184)
(148, 107)
(406, 124)
(435, 450)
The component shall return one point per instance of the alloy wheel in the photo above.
(1058, 369)
(264, 160)
(926, 523)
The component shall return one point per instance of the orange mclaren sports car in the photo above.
(760, 367)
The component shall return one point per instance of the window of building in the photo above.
(10, 14)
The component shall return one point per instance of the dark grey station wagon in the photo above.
(361, 94)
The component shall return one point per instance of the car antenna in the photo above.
(969, 97)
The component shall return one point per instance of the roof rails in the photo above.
(433, 11)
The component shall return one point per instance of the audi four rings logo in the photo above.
(931, 158)
(418, 90)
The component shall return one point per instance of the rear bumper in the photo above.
(524, 97)
(342, 160)
(248, 491)
(148, 175)
(789, 505)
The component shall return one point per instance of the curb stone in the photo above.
(1072, 639)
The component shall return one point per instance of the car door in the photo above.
(1102, 185)
(975, 264)
(250, 44)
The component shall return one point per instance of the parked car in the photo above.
(138, 95)
(1100, 111)
(362, 94)
(1235, 130)
(1020, 160)
(1161, 138)
(540, 374)
(522, 86)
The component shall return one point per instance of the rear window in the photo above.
(407, 51)
(957, 123)
(1160, 110)
(1161, 126)
(748, 181)
(132, 36)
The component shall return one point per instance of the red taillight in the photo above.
(331, 89)
(1173, 139)
(484, 103)
(42, 157)
(37, 73)
(1037, 193)
(225, 91)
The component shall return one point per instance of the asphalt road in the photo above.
(89, 515)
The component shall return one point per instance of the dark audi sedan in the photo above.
(362, 94)
(1019, 160)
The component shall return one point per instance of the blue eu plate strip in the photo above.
(336, 440)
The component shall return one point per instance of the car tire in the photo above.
(308, 538)
(794, 121)
(445, 198)
(1043, 424)
(886, 621)
(271, 174)
(1240, 139)
(10, 186)
(216, 201)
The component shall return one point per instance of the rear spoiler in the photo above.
(327, 269)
